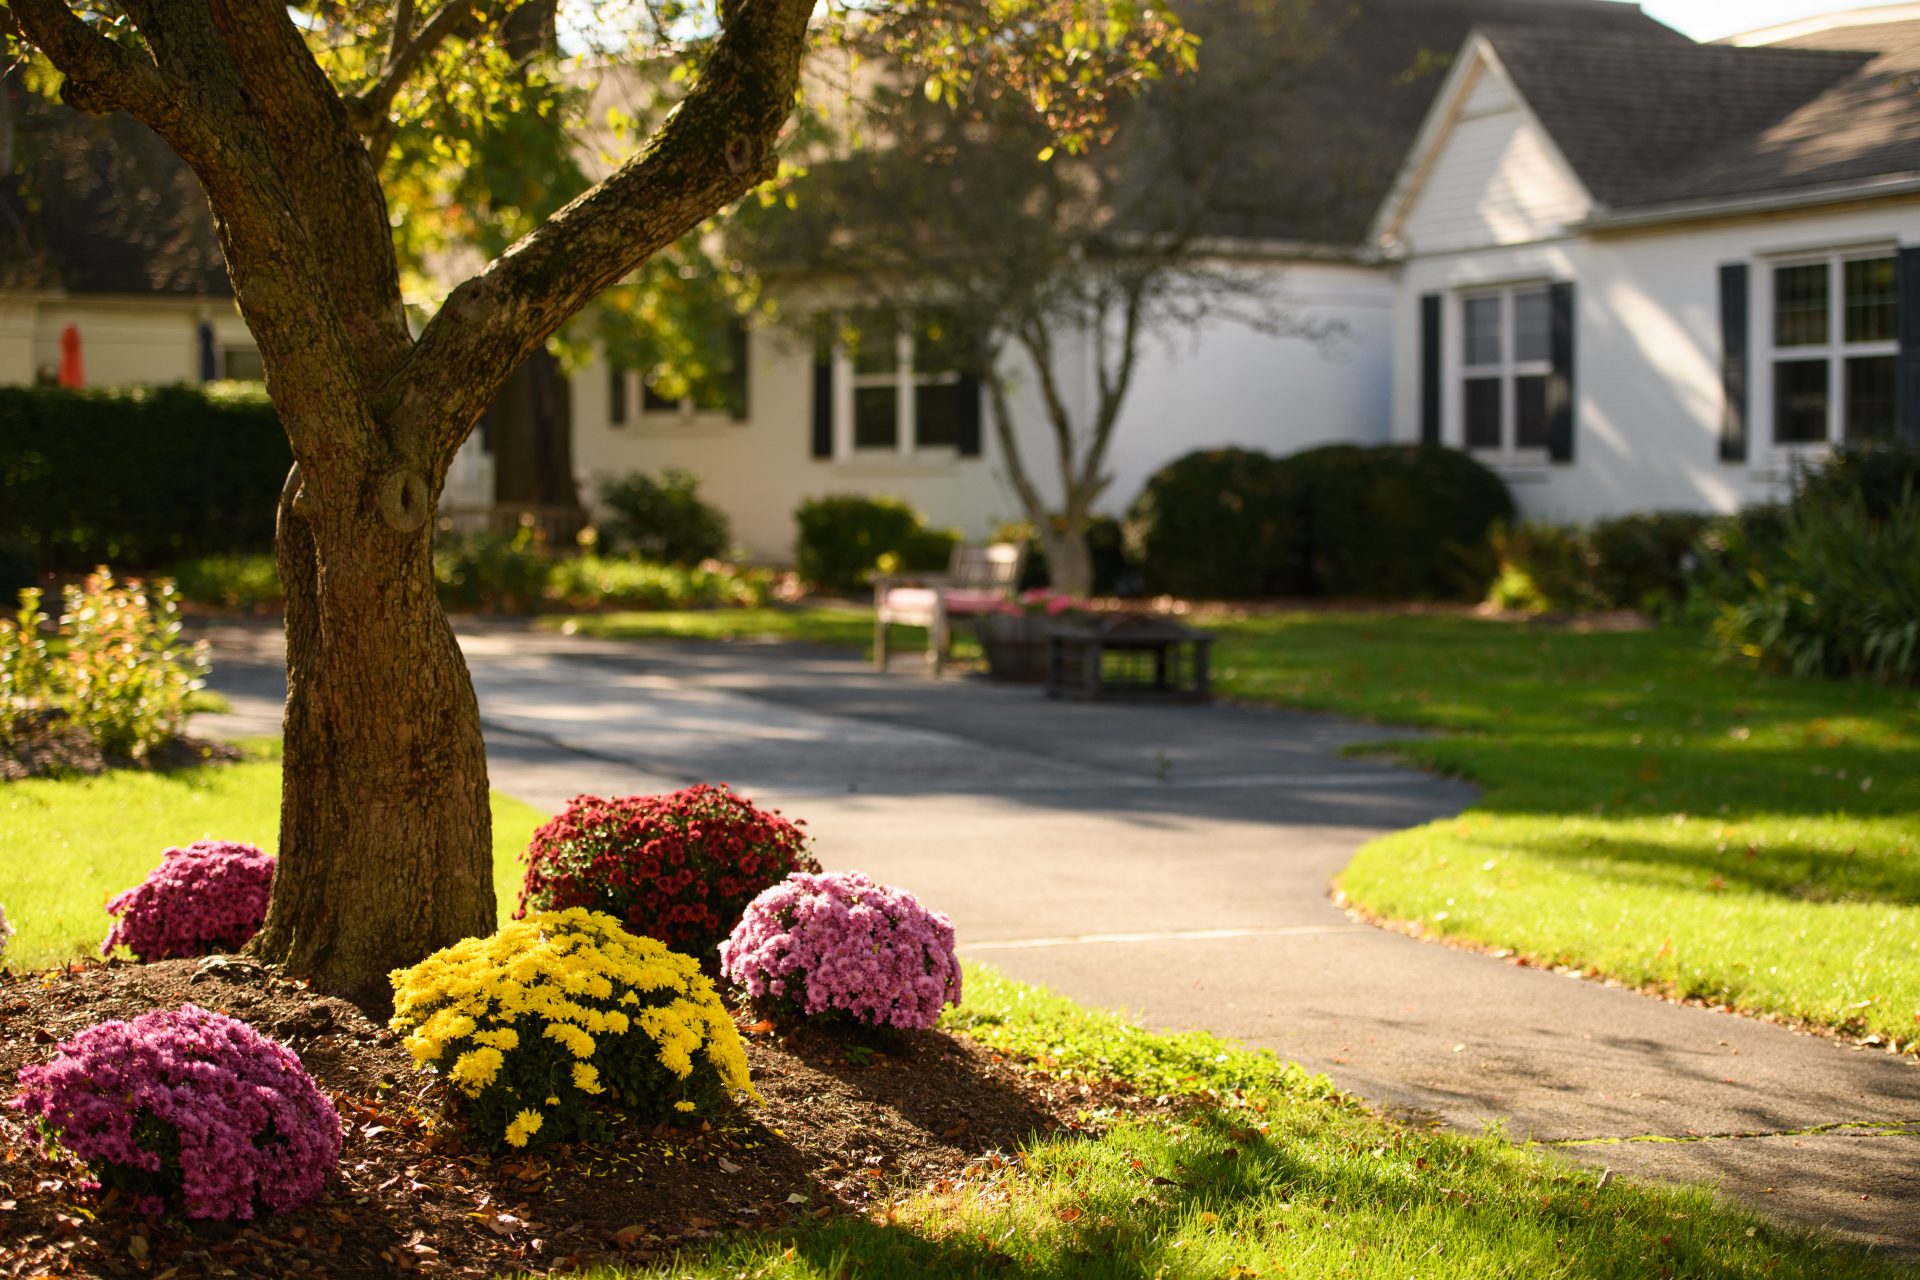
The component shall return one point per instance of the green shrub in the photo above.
(1839, 596)
(1398, 521)
(595, 582)
(1877, 476)
(1646, 561)
(496, 572)
(119, 672)
(240, 581)
(663, 520)
(1543, 568)
(139, 477)
(844, 537)
(1218, 524)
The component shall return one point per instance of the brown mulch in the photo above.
(841, 1129)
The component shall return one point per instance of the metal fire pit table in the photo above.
(1128, 656)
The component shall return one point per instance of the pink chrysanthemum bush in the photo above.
(189, 1110)
(559, 1016)
(207, 898)
(840, 942)
(678, 867)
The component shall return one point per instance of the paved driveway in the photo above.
(1174, 862)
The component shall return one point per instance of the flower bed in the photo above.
(532, 1025)
(207, 898)
(842, 943)
(1014, 635)
(187, 1109)
(678, 867)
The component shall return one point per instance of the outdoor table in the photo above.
(1130, 655)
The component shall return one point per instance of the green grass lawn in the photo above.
(1647, 813)
(1269, 1173)
(71, 844)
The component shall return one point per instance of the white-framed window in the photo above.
(666, 396)
(1834, 347)
(904, 381)
(242, 364)
(1506, 360)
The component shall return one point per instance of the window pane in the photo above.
(652, 401)
(1483, 330)
(1532, 332)
(1530, 408)
(871, 341)
(242, 364)
(936, 416)
(1870, 299)
(1483, 413)
(1870, 396)
(1800, 305)
(1799, 401)
(876, 418)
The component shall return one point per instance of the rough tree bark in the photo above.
(385, 848)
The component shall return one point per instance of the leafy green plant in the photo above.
(595, 582)
(845, 538)
(31, 682)
(1544, 568)
(1217, 524)
(663, 519)
(127, 672)
(491, 571)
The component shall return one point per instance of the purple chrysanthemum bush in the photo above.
(186, 1109)
(840, 942)
(206, 898)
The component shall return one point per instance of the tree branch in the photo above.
(101, 76)
(715, 147)
(371, 111)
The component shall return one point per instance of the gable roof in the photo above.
(1320, 136)
(101, 205)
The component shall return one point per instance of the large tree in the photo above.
(1050, 267)
(290, 116)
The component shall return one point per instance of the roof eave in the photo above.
(1888, 186)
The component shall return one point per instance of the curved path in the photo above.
(1173, 861)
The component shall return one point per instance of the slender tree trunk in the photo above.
(1069, 562)
(385, 837)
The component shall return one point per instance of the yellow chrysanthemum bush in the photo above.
(542, 1026)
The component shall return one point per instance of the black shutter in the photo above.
(1735, 410)
(616, 395)
(1430, 368)
(823, 406)
(1560, 380)
(739, 384)
(1908, 387)
(966, 433)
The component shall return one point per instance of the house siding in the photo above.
(1649, 398)
(1495, 179)
(124, 341)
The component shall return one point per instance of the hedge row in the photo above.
(1402, 522)
(139, 478)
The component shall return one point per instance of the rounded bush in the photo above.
(840, 942)
(664, 520)
(189, 1110)
(843, 538)
(534, 1023)
(1217, 524)
(206, 898)
(679, 867)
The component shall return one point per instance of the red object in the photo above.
(71, 371)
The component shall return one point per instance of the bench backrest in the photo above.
(990, 568)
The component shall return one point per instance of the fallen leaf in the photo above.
(728, 1166)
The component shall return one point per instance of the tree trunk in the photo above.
(1069, 562)
(533, 436)
(385, 834)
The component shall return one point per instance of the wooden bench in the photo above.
(977, 580)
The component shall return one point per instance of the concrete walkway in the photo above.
(1174, 862)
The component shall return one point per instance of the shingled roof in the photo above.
(100, 205)
(1649, 123)
(1322, 111)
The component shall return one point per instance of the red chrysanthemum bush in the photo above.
(680, 867)
(189, 1110)
(206, 898)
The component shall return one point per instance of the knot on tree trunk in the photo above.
(403, 500)
(739, 154)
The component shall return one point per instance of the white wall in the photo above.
(1223, 384)
(123, 341)
(1226, 384)
(1647, 353)
(1496, 178)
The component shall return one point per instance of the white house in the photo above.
(1637, 273)
(1628, 270)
